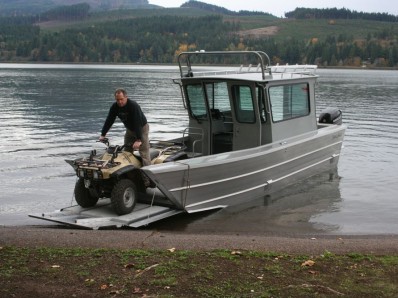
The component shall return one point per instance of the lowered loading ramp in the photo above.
(103, 216)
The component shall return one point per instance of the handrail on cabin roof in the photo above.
(263, 60)
(263, 64)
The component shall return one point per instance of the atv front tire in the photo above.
(124, 196)
(83, 196)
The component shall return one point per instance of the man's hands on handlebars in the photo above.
(103, 139)
(135, 145)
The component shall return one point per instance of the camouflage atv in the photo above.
(116, 174)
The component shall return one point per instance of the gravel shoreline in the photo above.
(54, 236)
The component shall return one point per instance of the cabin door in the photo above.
(247, 124)
(199, 130)
(221, 126)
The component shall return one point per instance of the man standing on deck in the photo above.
(137, 128)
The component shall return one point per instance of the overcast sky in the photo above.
(278, 8)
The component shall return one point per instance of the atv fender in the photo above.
(123, 171)
(72, 163)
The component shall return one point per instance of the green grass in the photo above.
(66, 272)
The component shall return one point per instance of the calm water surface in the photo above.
(54, 112)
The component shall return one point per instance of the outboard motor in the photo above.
(331, 116)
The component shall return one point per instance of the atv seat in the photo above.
(153, 153)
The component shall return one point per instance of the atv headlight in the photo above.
(97, 175)
(80, 173)
(87, 183)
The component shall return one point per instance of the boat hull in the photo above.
(225, 179)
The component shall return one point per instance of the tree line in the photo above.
(334, 13)
(66, 12)
(36, 7)
(160, 39)
(219, 9)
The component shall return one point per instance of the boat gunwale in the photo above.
(208, 160)
(258, 170)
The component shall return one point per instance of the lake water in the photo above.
(50, 113)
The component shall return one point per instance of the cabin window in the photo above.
(196, 101)
(217, 94)
(243, 102)
(289, 101)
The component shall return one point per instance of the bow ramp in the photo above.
(103, 216)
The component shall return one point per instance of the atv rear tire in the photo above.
(83, 195)
(124, 196)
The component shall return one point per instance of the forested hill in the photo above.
(32, 7)
(219, 9)
(74, 33)
(334, 13)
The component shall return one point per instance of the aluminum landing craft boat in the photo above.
(252, 131)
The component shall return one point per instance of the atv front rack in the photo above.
(94, 164)
(98, 164)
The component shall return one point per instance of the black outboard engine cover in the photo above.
(331, 116)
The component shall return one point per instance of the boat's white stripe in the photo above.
(250, 173)
(262, 185)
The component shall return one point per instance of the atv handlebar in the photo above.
(104, 141)
(114, 148)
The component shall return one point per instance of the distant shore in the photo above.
(173, 64)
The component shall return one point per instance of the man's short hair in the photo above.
(120, 90)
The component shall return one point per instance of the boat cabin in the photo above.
(246, 106)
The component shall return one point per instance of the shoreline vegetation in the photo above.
(59, 262)
(76, 272)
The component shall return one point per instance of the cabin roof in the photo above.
(256, 69)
